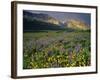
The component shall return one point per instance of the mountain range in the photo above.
(41, 21)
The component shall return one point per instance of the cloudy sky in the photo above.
(64, 16)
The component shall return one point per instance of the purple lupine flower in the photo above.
(77, 48)
(50, 53)
(70, 52)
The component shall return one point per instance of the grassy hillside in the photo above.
(31, 25)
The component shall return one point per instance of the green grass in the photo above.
(51, 49)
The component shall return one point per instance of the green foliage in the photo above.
(53, 49)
